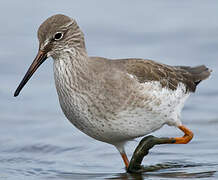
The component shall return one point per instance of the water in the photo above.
(37, 142)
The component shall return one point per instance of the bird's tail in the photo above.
(199, 73)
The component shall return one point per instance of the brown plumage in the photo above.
(168, 76)
(147, 70)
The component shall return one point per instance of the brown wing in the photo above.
(168, 76)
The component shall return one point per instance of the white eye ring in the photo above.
(58, 36)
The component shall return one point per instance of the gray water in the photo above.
(37, 141)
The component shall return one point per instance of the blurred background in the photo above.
(38, 142)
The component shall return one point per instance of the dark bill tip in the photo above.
(16, 93)
(40, 58)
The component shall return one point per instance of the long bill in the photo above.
(39, 59)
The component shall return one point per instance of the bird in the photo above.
(113, 100)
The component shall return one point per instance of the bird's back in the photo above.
(169, 76)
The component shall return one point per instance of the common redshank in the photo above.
(114, 101)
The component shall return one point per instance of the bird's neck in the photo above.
(71, 71)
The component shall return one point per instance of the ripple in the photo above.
(41, 148)
(172, 170)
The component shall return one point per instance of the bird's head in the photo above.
(57, 35)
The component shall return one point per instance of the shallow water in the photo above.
(37, 142)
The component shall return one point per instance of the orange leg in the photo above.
(186, 138)
(148, 142)
(125, 159)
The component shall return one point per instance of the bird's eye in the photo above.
(58, 36)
